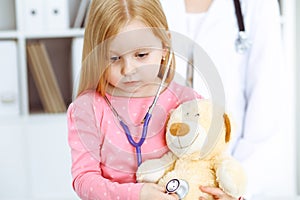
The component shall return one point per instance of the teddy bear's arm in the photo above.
(231, 176)
(153, 170)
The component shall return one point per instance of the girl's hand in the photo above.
(217, 193)
(152, 191)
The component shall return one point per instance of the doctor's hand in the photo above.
(152, 191)
(216, 193)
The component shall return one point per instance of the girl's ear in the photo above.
(166, 48)
(165, 51)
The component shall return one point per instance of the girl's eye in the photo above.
(114, 58)
(141, 55)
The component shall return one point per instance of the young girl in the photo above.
(125, 57)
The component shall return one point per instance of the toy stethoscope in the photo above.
(177, 186)
(147, 117)
(242, 44)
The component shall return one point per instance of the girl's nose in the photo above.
(128, 67)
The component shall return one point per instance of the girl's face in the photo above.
(135, 55)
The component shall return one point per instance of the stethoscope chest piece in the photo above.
(178, 186)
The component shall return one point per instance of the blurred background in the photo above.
(34, 154)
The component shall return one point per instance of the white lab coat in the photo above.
(251, 80)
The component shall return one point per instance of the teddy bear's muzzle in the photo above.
(179, 129)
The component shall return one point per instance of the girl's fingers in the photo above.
(160, 188)
(166, 196)
(214, 191)
(170, 196)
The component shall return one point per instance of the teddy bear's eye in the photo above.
(187, 114)
(197, 115)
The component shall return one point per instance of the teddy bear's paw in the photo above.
(167, 177)
(150, 171)
(232, 178)
(150, 177)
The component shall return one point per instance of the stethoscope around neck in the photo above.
(147, 117)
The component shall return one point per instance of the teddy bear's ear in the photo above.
(227, 126)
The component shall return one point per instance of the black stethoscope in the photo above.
(147, 117)
(242, 43)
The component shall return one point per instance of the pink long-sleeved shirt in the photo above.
(103, 161)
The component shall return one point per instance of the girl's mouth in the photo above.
(131, 83)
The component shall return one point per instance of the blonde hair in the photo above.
(105, 20)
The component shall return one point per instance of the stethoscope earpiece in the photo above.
(177, 186)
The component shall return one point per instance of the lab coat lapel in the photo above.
(216, 37)
(215, 20)
(176, 17)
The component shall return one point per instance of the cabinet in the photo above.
(49, 22)
(34, 158)
(34, 155)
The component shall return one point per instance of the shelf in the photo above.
(58, 50)
(8, 35)
(28, 131)
(55, 34)
(47, 22)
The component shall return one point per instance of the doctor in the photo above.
(251, 78)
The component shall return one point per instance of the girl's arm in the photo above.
(85, 142)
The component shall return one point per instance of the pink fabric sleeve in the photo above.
(85, 141)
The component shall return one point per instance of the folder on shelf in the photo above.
(56, 14)
(44, 78)
(9, 90)
(81, 14)
(7, 15)
(33, 15)
(77, 47)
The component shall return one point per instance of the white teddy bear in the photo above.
(197, 135)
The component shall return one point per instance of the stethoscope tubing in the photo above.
(239, 15)
(138, 144)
